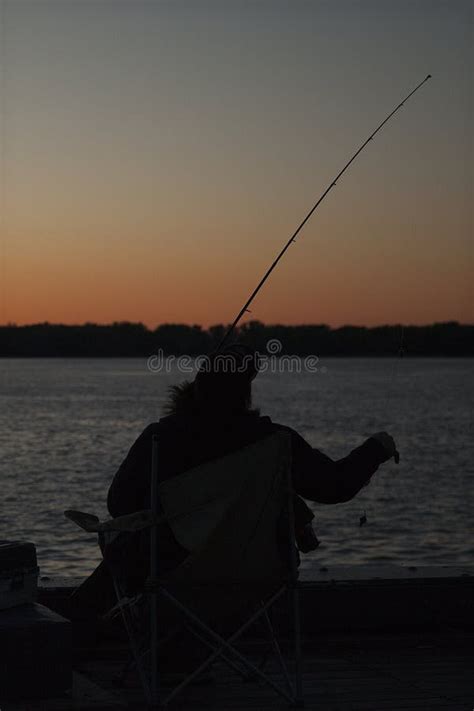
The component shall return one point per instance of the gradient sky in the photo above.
(155, 156)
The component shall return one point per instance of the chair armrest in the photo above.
(136, 521)
(88, 522)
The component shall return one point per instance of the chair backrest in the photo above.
(226, 514)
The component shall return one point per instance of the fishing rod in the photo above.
(245, 307)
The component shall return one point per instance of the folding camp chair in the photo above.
(226, 513)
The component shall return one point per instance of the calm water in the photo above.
(67, 424)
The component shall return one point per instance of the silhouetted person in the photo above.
(208, 419)
(211, 418)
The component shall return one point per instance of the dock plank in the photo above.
(375, 648)
(357, 680)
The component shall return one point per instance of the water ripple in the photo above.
(66, 424)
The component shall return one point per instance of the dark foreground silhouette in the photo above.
(210, 418)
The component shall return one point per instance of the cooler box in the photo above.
(35, 654)
(18, 573)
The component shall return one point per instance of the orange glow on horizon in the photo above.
(151, 169)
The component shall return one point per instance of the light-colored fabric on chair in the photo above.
(234, 556)
(225, 512)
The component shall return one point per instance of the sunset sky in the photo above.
(155, 156)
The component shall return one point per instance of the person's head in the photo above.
(224, 380)
(223, 384)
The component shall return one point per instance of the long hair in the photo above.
(222, 386)
(180, 399)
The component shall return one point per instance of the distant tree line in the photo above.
(134, 339)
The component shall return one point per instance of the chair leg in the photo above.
(155, 685)
(212, 646)
(277, 650)
(133, 644)
(298, 700)
(223, 646)
(120, 677)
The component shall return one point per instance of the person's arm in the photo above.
(129, 490)
(318, 478)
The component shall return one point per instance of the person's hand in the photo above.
(388, 443)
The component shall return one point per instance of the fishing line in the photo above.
(374, 481)
(395, 369)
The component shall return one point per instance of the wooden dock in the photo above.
(351, 662)
(397, 672)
